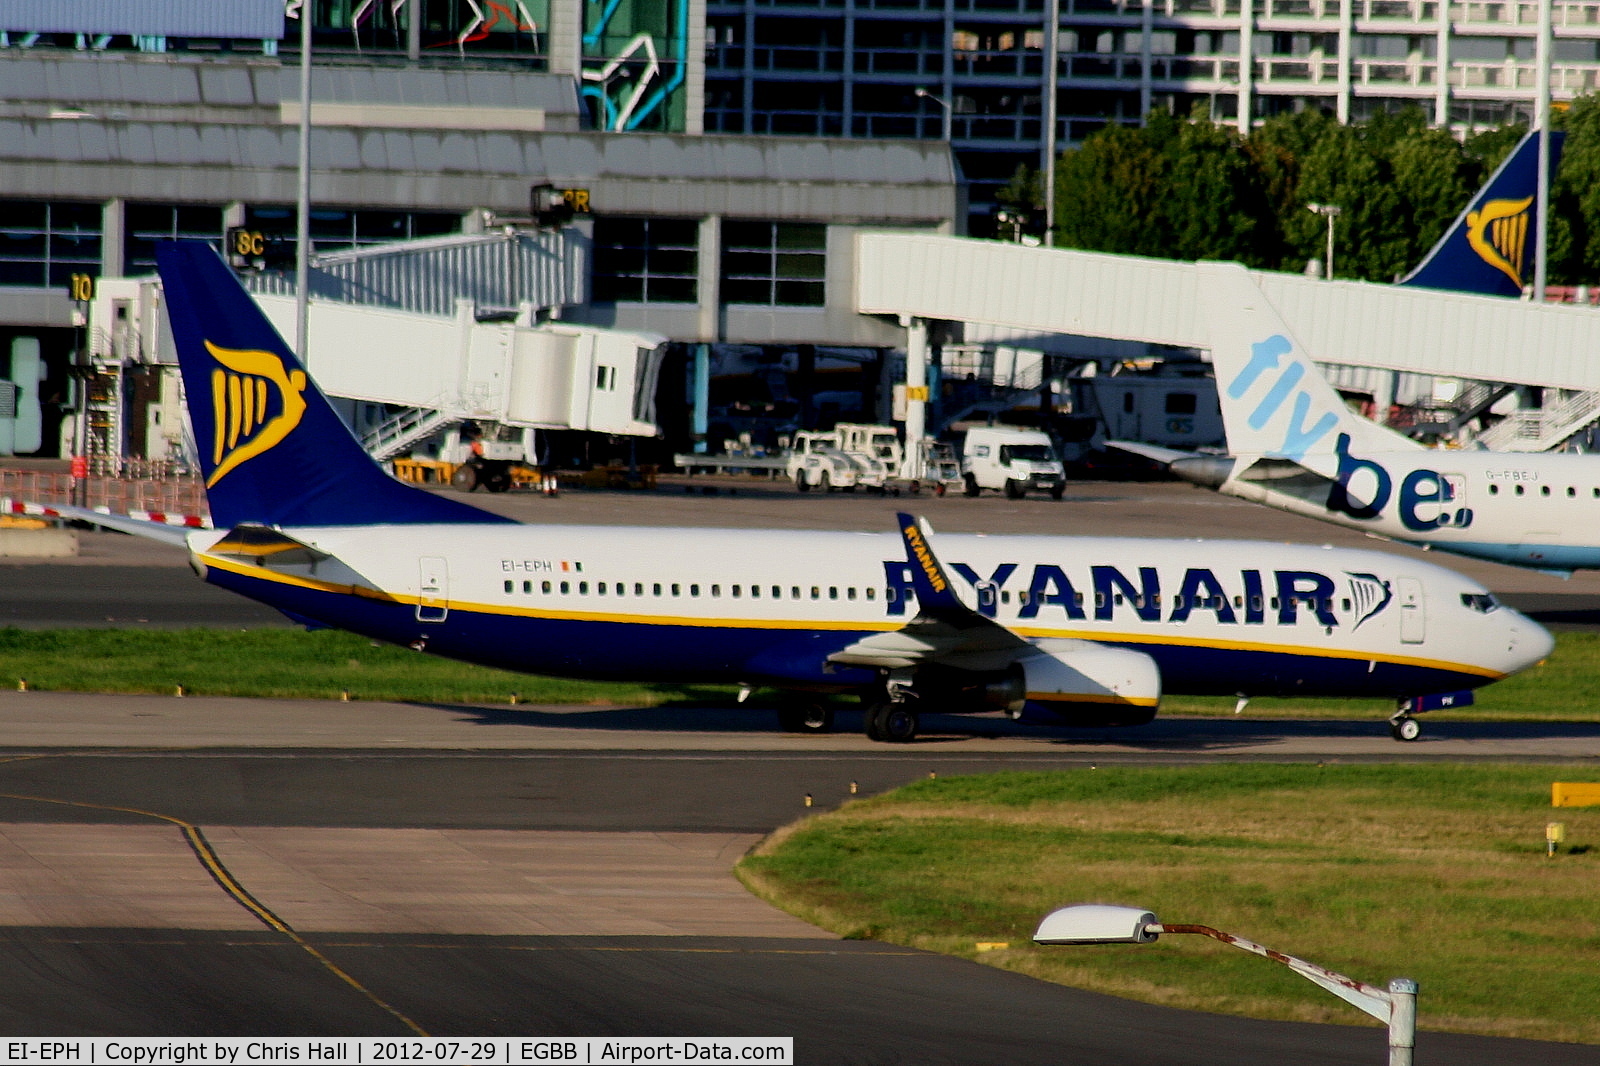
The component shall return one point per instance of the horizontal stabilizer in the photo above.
(1154, 452)
(138, 527)
(266, 547)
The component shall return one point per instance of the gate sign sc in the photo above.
(257, 249)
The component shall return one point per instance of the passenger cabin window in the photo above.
(508, 586)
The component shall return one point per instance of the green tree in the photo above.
(1173, 189)
(1574, 242)
(1278, 149)
(1108, 192)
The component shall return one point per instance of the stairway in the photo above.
(404, 429)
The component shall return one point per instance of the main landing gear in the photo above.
(892, 714)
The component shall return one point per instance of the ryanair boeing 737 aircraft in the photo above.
(1088, 630)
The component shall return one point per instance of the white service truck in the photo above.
(1011, 460)
(817, 460)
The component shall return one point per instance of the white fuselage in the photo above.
(1534, 510)
(771, 606)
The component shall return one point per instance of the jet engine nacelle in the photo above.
(1082, 682)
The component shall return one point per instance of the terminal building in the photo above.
(718, 157)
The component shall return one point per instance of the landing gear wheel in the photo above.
(805, 716)
(1406, 729)
(1015, 490)
(895, 723)
(971, 486)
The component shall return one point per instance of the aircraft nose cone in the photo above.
(1530, 641)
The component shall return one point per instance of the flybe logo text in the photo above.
(1048, 592)
(1283, 387)
(1427, 499)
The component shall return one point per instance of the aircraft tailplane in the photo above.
(1275, 401)
(1489, 249)
(273, 451)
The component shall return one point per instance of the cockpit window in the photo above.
(1482, 602)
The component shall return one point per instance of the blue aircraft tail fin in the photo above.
(1490, 247)
(272, 450)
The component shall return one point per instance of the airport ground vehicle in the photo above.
(1011, 460)
(818, 460)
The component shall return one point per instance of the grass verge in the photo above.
(288, 663)
(1435, 872)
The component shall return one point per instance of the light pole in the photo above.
(1096, 923)
(1329, 212)
(949, 111)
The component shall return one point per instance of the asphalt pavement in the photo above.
(234, 867)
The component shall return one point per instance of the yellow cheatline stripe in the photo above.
(1208, 643)
(229, 884)
(1091, 697)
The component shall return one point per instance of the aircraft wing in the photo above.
(1069, 676)
(945, 630)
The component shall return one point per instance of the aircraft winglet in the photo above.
(936, 594)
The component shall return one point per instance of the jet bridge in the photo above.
(419, 336)
(1352, 323)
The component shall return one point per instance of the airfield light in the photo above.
(1097, 923)
(1554, 833)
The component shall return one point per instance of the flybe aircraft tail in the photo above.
(1490, 247)
(1275, 401)
(272, 450)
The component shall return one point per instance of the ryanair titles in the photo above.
(1248, 598)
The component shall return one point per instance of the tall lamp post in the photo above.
(1329, 212)
(1096, 923)
(949, 111)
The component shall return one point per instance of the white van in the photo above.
(1012, 460)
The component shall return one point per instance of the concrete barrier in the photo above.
(38, 543)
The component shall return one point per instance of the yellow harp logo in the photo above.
(242, 391)
(1499, 234)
